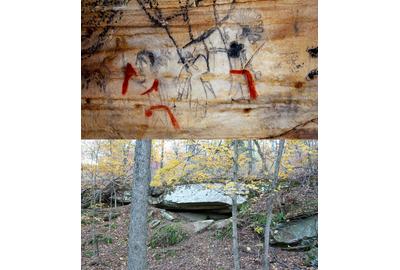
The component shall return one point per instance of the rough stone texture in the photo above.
(198, 226)
(295, 232)
(312, 257)
(154, 223)
(198, 197)
(269, 39)
(167, 215)
(87, 197)
(221, 224)
(196, 216)
(302, 209)
(124, 198)
(156, 191)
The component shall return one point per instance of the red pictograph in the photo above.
(149, 112)
(250, 81)
(154, 88)
(129, 72)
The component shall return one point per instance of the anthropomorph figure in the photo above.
(245, 39)
(194, 72)
(157, 111)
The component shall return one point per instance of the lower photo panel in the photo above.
(199, 204)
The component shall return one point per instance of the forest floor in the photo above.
(203, 251)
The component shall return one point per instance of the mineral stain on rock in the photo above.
(298, 85)
(247, 110)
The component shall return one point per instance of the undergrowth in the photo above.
(168, 235)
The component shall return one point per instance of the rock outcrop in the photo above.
(197, 197)
(196, 216)
(221, 224)
(296, 234)
(198, 226)
(114, 192)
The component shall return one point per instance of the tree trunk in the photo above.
(235, 240)
(162, 154)
(137, 245)
(266, 233)
(95, 158)
(264, 169)
(251, 157)
(270, 204)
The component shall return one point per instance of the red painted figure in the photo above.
(250, 81)
(149, 112)
(145, 62)
(154, 88)
(129, 72)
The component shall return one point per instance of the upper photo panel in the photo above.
(199, 69)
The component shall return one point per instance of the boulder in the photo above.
(113, 191)
(311, 258)
(123, 197)
(300, 232)
(301, 209)
(195, 197)
(156, 191)
(88, 196)
(119, 191)
(193, 216)
(167, 215)
(221, 224)
(154, 223)
(196, 216)
(198, 226)
(154, 200)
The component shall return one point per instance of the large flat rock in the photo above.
(296, 232)
(197, 216)
(198, 197)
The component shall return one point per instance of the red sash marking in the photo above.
(149, 113)
(250, 81)
(154, 88)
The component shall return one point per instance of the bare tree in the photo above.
(94, 153)
(162, 154)
(137, 243)
(262, 156)
(251, 163)
(270, 199)
(235, 240)
(175, 148)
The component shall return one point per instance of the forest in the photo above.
(199, 204)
